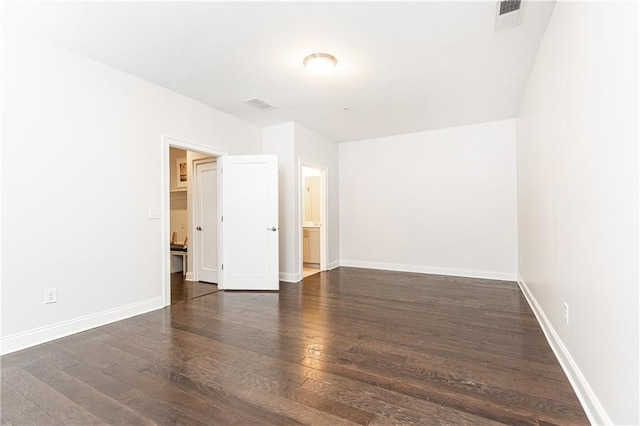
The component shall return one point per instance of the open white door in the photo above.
(249, 222)
(206, 214)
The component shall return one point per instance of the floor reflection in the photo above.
(182, 290)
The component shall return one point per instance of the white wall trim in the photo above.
(423, 269)
(333, 265)
(290, 277)
(590, 403)
(26, 339)
(193, 146)
(189, 276)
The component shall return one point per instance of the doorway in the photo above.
(192, 224)
(181, 280)
(312, 219)
(247, 209)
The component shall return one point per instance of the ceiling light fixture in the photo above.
(320, 63)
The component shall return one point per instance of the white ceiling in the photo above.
(402, 67)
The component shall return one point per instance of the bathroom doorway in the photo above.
(313, 219)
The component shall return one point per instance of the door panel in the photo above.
(206, 222)
(250, 225)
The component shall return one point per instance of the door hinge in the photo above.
(221, 218)
(223, 266)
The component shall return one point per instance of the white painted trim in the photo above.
(193, 146)
(638, 159)
(590, 403)
(333, 265)
(290, 277)
(189, 276)
(423, 269)
(324, 218)
(23, 340)
(165, 224)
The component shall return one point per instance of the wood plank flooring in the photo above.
(349, 346)
(183, 290)
(309, 269)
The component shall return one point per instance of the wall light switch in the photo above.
(154, 213)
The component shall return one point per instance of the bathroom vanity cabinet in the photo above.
(311, 244)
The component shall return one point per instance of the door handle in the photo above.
(199, 228)
(273, 228)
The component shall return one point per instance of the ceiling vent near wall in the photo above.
(507, 6)
(259, 104)
(508, 14)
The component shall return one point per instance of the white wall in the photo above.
(440, 201)
(82, 150)
(294, 143)
(278, 140)
(577, 148)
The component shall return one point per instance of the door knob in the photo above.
(199, 228)
(273, 228)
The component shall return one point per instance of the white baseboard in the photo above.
(189, 276)
(19, 341)
(590, 403)
(469, 273)
(290, 277)
(333, 265)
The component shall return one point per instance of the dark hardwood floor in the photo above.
(343, 347)
(183, 290)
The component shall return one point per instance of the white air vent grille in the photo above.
(257, 103)
(508, 13)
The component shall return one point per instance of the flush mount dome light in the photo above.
(320, 63)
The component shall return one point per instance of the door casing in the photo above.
(166, 143)
(324, 214)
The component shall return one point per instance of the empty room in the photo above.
(320, 213)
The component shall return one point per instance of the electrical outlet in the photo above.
(566, 312)
(51, 295)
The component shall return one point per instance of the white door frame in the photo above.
(193, 248)
(324, 214)
(166, 143)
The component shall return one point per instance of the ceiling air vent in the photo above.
(507, 6)
(257, 103)
(508, 13)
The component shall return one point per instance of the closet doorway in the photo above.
(193, 206)
(250, 219)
